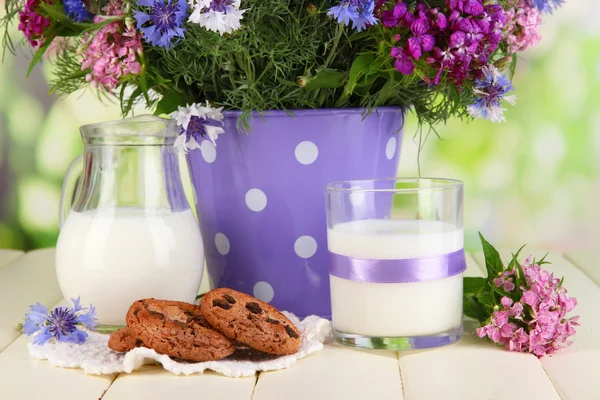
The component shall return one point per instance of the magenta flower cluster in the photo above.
(32, 24)
(537, 323)
(112, 52)
(456, 40)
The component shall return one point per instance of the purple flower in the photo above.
(392, 18)
(75, 9)
(359, 12)
(61, 324)
(403, 63)
(163, 23)
(489, 92)
(421, 40)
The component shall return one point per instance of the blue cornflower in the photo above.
(489, 92)
(163, 22)
(359, 12)
(75, 9)
(547, 6)
(61, 324)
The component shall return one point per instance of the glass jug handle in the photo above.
(68, 189)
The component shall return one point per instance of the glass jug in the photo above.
(129, 232)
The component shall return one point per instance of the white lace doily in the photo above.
(94, 356)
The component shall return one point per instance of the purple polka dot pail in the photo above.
(260, 197)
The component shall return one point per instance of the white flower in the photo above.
(196, 122)
(222, 17)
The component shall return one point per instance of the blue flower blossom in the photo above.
(76, 10)
(163, 22)
(61, 324)
(489, 91)
(547, 6)
(359, 12)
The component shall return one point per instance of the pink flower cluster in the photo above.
(522, 26)
(457, 40)
(33, 24)
(112, 51)
(537, 323)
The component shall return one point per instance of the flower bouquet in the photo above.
(440, 58)
(330, 80)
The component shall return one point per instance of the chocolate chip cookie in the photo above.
(123, 340)
(250, 321)
(178, 330)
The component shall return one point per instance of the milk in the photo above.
(395, 309)
(113, 257)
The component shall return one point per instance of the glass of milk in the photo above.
(396, 262)
(127, 230)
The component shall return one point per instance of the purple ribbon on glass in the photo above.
(397, 271)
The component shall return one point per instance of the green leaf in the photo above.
(487, 300)
(473, 285)
(38, 54)
(359, 67)
(170, 101)
(326, 79)
(493, 262)
(75, 75)
(55, 11)
(131, 100)
(473, 309)
(144, 87)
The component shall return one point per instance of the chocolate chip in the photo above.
(201, 321)
(254, 308)
(292, 333)
(157, 314)
(272, 321)
(220, 303)
(229, 299)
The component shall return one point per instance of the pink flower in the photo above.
(481, 331)
(516, 310)
(522, 26)
(111, 53)
(507, 330)
(506, 302)
(32, 24)
(505, 280)
(500, 318)
(530, 298)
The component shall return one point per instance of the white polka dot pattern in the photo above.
(305, 246)
(256, 200)
(306, 152)
(263, 291)
(209, 151)
(222, 244)
(390, 148)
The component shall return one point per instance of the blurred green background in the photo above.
(534, 179)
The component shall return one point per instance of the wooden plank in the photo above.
(471, 369)
(474, 369)
(8, 255)
(23, 377)
(152, 382)
(574, 371)
(587, 261)
(25, 281)
(335, 373)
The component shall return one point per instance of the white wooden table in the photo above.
(470, 369)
